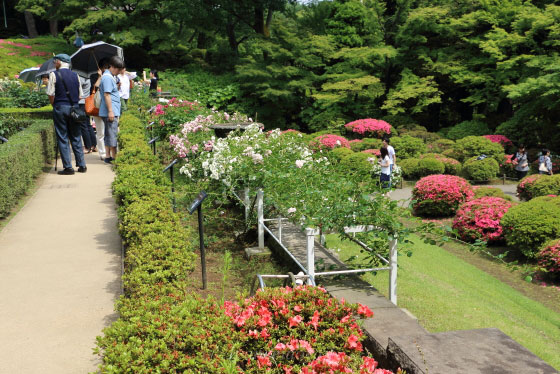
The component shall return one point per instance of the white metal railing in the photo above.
(309, 271)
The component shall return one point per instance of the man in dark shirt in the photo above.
(63, 98)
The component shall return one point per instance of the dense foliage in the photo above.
(529, 225)
(480, 170)
(440, 195)
(549, 258)
(21, 160)
(471, 68)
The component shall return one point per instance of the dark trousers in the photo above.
(521, 174)
(68, 133)
(87, 132)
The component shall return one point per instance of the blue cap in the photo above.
(63, 57)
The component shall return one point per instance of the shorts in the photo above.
(111, 131)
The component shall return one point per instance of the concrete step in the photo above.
(482, 351)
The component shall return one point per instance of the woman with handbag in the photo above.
(521, 162)
(545, 163)
(99, 124)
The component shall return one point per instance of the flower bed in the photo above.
(479, 219)
(369, 127)
(440, 195)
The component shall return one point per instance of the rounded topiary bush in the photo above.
(440, 145)
(356, 163)
(549, 185)
(480, 191)
(451, 165)
(339, 153)
(525, 186)
(481, 170)
(479, 219)
(429, 166)
(467, 128)
(356, 145)
(440, 195)
(410, 168)
(529, 225)
(408, 147)
(549, 258)
(369, 127)
(474, 146)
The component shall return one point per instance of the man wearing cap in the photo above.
(64, 91)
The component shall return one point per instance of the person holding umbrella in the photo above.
(110, 109)
(64, 91)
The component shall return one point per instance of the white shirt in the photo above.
(391, 151)
(52, 81)
(386, 169)
(124, 91)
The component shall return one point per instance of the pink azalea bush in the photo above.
(300, 330)
(369, 127)
(480, 219)
(329, 141)
(549, 257)
(524, 186)
(376, 152)
(500, 139)
(440, 195)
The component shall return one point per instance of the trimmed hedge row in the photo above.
(22, 159)
(35, 113)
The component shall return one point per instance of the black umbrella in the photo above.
(86, 59)
(28, 75)
(46, 68)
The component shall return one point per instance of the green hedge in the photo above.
(158, 263)
(36, 113)
(529, 225)
(22, 159)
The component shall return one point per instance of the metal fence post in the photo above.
(310, 253)
(260, 217)
(280, 229)
(393, 271)
(247, 202)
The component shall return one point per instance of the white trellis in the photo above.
(309, 270)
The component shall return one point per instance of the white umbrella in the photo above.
(29, 74)
(85, 61)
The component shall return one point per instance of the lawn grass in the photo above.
(446, 293)
(19, 54)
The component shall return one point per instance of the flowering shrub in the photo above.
(451, 165)
(480, 219)
(168, 118)
(299, 330)
(440, 195)
(329, 141)
(529, 225)
(369, 127)
(474, 146)
(375, 152)
(500, 139)
(549, 257)
(549, 185)
(524, 187)
(481, 170)
(507, 166)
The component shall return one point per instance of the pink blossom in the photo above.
(480, 219)
(300, 163)
(330, 141)
(369, 125)
(500, 139)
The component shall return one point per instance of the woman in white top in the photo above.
(385, 162)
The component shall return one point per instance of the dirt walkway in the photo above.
(60, 269)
